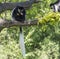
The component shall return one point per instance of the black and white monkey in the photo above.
(55, 6)
(18, 14)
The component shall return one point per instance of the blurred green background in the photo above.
(42, 41)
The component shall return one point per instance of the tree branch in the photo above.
(10, 6)
(7, 24)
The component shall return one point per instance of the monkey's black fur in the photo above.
(16, 15)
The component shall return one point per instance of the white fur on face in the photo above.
(20, 12)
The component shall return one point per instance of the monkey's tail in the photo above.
(21, 41)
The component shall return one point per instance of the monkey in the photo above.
(18, 14)
(55, 6)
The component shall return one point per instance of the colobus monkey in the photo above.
(55, 6)
(18, 14)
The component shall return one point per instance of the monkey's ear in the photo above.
(19, 10)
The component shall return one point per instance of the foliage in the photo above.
(42, 41)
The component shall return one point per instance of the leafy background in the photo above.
(42, 41)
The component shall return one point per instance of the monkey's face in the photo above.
(20, 11)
